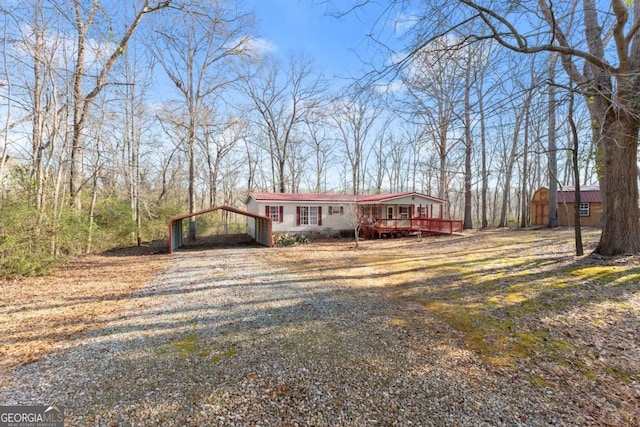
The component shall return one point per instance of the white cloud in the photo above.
(61, 49)
(391, 87)
(260, 46)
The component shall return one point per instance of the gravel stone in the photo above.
(225, 338)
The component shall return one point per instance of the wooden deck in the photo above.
(405, 227)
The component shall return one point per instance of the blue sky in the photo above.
(306, 26)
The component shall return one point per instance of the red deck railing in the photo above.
(422, 225)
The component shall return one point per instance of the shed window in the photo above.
(584, 209)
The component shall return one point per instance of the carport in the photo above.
(260, 231)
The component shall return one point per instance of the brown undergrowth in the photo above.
(42, 314)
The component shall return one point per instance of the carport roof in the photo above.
(265, 240)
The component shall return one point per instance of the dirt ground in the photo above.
(519, 299)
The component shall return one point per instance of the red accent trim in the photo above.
(298, 215)
(281, 211)
(319, 215)
(226, 208)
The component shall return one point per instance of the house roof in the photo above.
(588, 195)
(335, 198)
(379, 198)
(302, 197)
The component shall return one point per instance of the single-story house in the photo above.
(590, 206)
(336, 214)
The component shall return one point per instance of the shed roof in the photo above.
(588, 195)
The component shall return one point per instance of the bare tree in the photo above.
(432, 79)
(322, 147)
(284, 101)
(468, 144)
(219, 141)
(603, 58)
(355, 116)
(553, 155)
(197, 49)
(84, 18)
(354, 217)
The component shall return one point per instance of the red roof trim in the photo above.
(333, 198)
(391, 196)
(204, 211)
(302, 197)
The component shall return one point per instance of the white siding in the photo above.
(330, 223)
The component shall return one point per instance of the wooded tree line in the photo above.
(116, 118)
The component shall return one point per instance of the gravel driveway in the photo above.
(225, 338)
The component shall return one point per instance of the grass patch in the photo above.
(506, 298)
(192, 345)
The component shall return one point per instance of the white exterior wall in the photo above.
(330, 223)
(333, 224)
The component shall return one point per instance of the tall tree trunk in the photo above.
(468, 221)
(524, 211)
(37, 122)
(553, 156)
(485, 173)
(442, 155)
(576, 173)
(621, 216)
(192, 184)
(510, 162)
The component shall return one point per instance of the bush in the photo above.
(290, 239)
(27, 239)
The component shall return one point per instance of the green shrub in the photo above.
(290, 239)
(26, 240)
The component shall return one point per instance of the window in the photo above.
(313, 215)
(303, 215)
(336, 210)
(404, 212)
(389, 212)
(423, 211)
(309, 215)
(584, 209)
